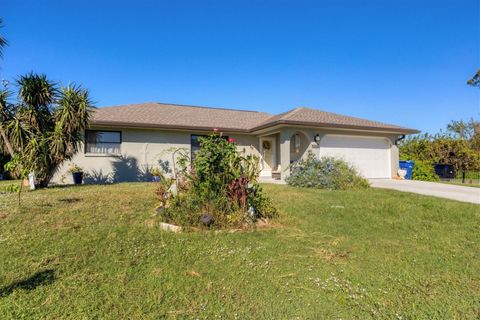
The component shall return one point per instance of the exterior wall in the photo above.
(278, 161)
(141, 149)
(285, 136)
(394, 158)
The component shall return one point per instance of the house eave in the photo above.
(335, 126)
(162, 126)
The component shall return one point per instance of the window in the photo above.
(296, 143)
(103, 142)
(195, 144)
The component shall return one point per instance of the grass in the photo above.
(96, 252)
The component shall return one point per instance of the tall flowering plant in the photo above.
(224, 183)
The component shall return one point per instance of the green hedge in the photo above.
(424, 171)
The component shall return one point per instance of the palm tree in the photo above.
(475, 81)
(44, 128)
(3, 42)
(3, 100)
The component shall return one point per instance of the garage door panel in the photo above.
(369, 155)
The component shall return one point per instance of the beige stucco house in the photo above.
(123, 143)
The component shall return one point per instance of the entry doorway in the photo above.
(268, 153)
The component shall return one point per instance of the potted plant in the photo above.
(156, 174)
(77, 173)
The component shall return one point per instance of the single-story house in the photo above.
(123, 143)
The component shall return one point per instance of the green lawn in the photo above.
(96, 252)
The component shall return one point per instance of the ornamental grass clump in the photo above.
(221, 187)
(325, 173)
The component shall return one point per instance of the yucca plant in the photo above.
(44, 127)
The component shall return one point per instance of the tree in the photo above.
(3, 42)
(44, 128)
(475, 81)
(4, 115)
(466, 130)
(459, 146)
(3, 100)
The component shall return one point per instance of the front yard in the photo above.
(97, 252)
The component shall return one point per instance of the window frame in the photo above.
(102, 154)
(192, 154)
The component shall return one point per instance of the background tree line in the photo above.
(458, 145)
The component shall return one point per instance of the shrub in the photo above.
(222, 184)
(325, 173)
(424, 171)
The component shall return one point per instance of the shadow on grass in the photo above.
(70, 200)
(41, 278)
(68, 186)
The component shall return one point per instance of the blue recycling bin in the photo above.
(407, 165)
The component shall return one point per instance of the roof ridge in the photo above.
(278, 116)
(207, 107)
(292, 112)
(126, 105)
(184, 105)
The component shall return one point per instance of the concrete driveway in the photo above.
(460, 193)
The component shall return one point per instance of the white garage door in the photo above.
(370, 155)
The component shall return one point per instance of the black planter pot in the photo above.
(77, 177)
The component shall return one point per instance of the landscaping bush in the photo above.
(221, 187)
(424, 171)
(325, 173)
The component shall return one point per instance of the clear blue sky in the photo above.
(404, 62)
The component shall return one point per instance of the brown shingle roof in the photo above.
(313, 117)
(179, 116)
(161, 115)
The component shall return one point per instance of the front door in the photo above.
(267, 150)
